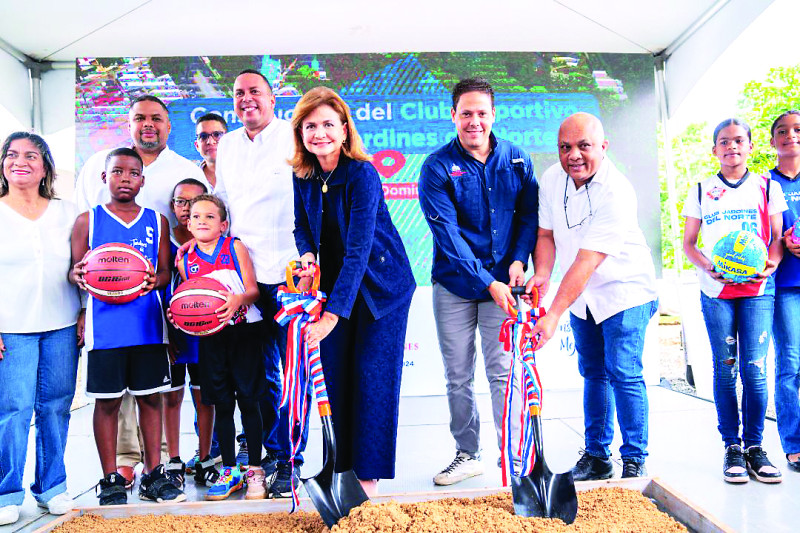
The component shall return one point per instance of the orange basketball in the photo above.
(194, 306)
(115, 272)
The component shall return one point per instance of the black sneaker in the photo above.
(280, 485)
(633, 469)
(269, 463)
(793, 465)
(243, 456)
(112, 490)
(590, 467)
(174, 471)
(759, 466)
(156, 487)
(734, 468)
(205, 473)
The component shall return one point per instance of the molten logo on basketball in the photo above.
(113, 259)
(195, 305)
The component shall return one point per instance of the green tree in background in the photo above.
(692, 161)
(761, 102)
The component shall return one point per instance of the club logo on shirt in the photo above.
(225, 259)
(715, 193)
(455, 171)
(139, 245)
(194, 269)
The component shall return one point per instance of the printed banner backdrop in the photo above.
(401, 107)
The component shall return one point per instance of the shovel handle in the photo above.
(293, 265)
(519, 291)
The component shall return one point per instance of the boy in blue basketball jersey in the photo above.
(126, 343)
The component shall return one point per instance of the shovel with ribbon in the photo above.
(333, 493)
(536, 490)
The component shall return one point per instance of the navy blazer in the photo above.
(375, 262)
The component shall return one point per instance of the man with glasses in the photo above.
(588, 218)
(149, 127)
(479, 197)
(209, 129)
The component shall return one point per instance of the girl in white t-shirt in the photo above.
(738, 316)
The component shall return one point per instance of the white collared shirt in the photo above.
(160, 177)
(254, 180)
(626, 278)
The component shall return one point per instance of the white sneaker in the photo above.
(463, 466)
(9, 514)
(58, 504)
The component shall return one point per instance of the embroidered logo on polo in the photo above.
(455, 171)
(715, 193)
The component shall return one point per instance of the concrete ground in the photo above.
(685, 452)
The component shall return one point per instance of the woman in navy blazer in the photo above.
(341, 218)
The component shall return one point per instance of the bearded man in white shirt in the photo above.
(588, 217)
(254, 179)
(149, 126)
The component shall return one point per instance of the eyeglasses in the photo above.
(180, 202)
(566, 214)
(204, 136)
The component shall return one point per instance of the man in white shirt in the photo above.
(149, 127)
(588, 217)
(254, 179)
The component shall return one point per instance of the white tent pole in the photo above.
(36, 98)
(672, 199)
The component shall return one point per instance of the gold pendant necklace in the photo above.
(325, 181)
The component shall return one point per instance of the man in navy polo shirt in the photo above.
(480, 197)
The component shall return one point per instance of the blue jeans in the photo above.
(276, 425)
(739, 331)
(786, 331)
(37, 374)
(610, 361)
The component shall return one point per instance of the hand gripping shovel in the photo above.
(333, 493)
(537, 491)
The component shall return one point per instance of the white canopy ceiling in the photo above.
(689, 34)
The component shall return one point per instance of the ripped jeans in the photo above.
(739, 331)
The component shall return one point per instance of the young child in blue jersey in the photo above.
(231, 361)
(786, 141)
(738, 316)
(126, 343)
(183, 354)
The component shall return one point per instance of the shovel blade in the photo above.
(544, 494)
(334, 494)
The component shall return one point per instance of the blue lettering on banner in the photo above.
(410, 124)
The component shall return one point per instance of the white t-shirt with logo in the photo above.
(723, 207)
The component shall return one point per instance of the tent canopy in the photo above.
(43, 38)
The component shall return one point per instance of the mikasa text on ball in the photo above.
(739, 255)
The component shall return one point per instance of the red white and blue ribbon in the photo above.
(515, 335)
(299, 310)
